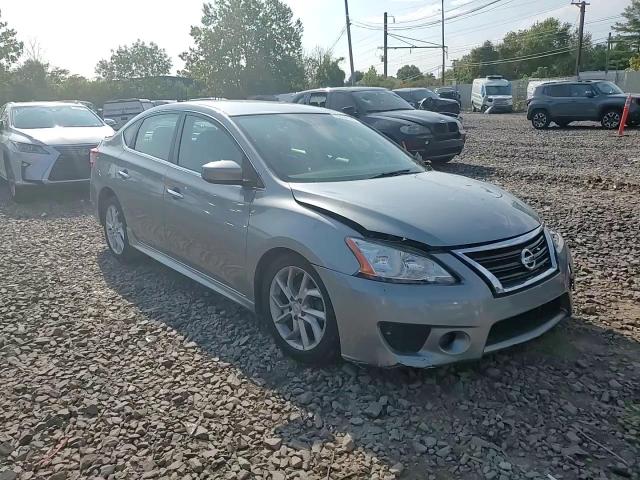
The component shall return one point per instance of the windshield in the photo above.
(55, 116)
(498, 89)
(608, 88)
(380, 101)
(324, 148)
(423, 93)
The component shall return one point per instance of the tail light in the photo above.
(93, 156)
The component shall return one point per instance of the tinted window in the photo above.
(156, 134)
(129, 134)
(422, 93)
(559, 90)
(205, 141)
(323, 148)
(340, 100)
(302, 99)
(318, 99)
(380, 101)
(498, 89)
(55, 116)
(580, 90)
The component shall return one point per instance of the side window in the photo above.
(129, 135)
(559, 90)
(339, 100)
(318, 99)
(302, 99)
(580, 90)
(205, 141)
(156, 134)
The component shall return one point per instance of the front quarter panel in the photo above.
(280, 222)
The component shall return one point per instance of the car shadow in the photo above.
(446, 422)
(67, 201)
(477, 172)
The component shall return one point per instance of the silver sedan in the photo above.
(332, 234)
(47, 143)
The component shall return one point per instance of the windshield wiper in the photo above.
(394, 173)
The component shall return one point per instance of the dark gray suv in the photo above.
(572, 101)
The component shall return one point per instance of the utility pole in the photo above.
(443, 47)
(384, 55)
(582, 6)
(346, 11)
(606, 64)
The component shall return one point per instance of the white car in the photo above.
(47, 143)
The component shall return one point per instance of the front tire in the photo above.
(115, 231)
(611, 119)
(298, 311)
(540, 119)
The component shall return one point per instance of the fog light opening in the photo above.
(454, 343)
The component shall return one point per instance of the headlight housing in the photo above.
(386, 263)
(460, 127)
(558, 241)
(29, 148)
(415, 129)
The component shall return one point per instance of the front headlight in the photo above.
(29, 148)
(460, 127)
(415, 129)
(383, 262)
(558, 241)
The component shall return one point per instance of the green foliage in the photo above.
(246, 47)
(372, 79)
(357, 76)
(322, 70)
(634, 63)
(10, 47)
(137, 60)
(629, 28)
(408, 73)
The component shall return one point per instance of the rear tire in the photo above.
(540, 119)
(611, 119)
(290, 289)
(114, 226)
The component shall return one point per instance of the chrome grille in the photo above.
(503, 264)
(72, 164)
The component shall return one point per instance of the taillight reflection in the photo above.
(93, 156)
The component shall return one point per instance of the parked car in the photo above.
(44, 143)
(428, 135)
(334, 235)
(493, 92)
(450, 93)
(156, 103)
(572, 101)
(425, 99)
(122, 110)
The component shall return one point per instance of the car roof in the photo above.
(127, 100)
(571, 82)
(45, 104)
(343, 89)
(410, 89)
(233, 108)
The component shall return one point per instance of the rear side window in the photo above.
(205, 141)
(559, 90)
(580, 90)
(318, 99)
(156, 135)
(129, 134)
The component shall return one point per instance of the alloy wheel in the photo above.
(611, 120)
(115, 229)
(540, 119)
(298, 308)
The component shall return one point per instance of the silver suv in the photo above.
(333, 234)
(44, 143)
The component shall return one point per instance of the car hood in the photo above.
(436, 209)
(67, 135)
(422, 117)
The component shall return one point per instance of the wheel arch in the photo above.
(103, 196)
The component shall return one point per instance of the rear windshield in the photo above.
(370, 101)
(54, 116)
(498, 89)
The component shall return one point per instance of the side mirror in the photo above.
(350, 110)
(590, 94)
(111, 122)
(223, 172)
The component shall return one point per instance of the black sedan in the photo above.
(426, 135)
(425, 99)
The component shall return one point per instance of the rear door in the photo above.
(138, 175)
(206, 224)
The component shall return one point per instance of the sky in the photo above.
(75, 34)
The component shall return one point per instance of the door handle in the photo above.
(175, 193)
(124, 174)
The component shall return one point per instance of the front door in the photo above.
(206, 224)
(583, 105)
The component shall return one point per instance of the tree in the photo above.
(408, 72)
(137, 60)
(246, 47)
(10, 47)
(634, 63)
(629, 28)
(322, 70)
(357, 76)
(372, 79)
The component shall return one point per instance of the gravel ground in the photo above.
(112, 371)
